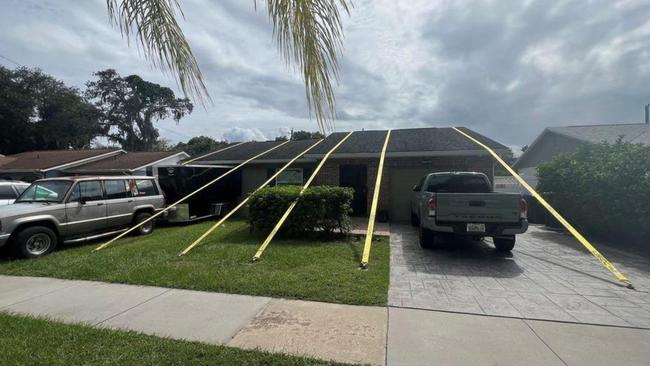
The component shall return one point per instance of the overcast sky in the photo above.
(504, 68)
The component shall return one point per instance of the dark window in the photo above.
(146, 187)
(116, 189)
(458, 184)
(90, 191)
(7, 193)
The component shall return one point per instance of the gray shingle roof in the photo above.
(636, 133)
(363, 142)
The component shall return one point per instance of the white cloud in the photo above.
(237, 134)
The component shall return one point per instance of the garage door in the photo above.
(402, 181)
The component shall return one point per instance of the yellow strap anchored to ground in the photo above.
(188, 196)
(373, 208)
(607, 264)
(242, 203)
(293, 204)
(212, 153)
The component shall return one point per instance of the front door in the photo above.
(355, 176)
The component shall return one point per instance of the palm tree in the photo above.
(309, 35)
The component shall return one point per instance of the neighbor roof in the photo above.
(416, 140)
(635, 133)
(127, 161)
(49, 159)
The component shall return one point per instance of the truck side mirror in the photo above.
(82, 200)
(415, 188)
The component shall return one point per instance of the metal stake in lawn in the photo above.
(186, 197)
(293, 204)
(242, 203)
(607, 264)
(373, 208)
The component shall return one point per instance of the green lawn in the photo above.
(312, 270)
(29, 341)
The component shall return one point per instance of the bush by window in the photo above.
(321, 208)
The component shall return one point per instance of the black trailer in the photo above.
(180, 180)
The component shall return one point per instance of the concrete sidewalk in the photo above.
(355, 334)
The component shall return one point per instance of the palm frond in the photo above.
(309, 34)
(153, 24)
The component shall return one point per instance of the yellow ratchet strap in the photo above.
(186, 197)
(607, 264)
(242, 203)
(293, 204)
(373, 208)
(212, 153)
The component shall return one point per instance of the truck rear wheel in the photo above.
(427, 238)
(504, 244)
(35, 241)
(414, 219)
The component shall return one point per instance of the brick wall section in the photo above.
(329, 174)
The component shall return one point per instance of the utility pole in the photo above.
(647, 113)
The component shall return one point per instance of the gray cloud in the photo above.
(504, 68)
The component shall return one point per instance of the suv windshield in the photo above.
(46, 191)
(458, 184)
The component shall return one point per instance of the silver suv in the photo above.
(77, 209)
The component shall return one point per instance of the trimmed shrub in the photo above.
(321, 208)
(602, 188)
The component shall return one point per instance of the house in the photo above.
(557, 140)
(411, 154)
(132, 163)
(32, 165)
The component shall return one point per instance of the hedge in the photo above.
(602, 188)
(321, 208)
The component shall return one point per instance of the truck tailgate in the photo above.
(478, 207)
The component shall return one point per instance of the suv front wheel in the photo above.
(35, 241)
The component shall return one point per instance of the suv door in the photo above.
(86, 209)
(119, 202)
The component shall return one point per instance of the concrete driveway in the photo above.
(548, 276)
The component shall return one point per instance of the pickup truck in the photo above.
(463, 203)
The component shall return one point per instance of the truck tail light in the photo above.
(432, 206)
(523, 209)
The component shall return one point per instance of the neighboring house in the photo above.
(411, 154)
(133, 163)
(32, 165)
(558, 140)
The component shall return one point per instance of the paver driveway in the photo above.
(547, 276)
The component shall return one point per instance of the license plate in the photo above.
(475, 228)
